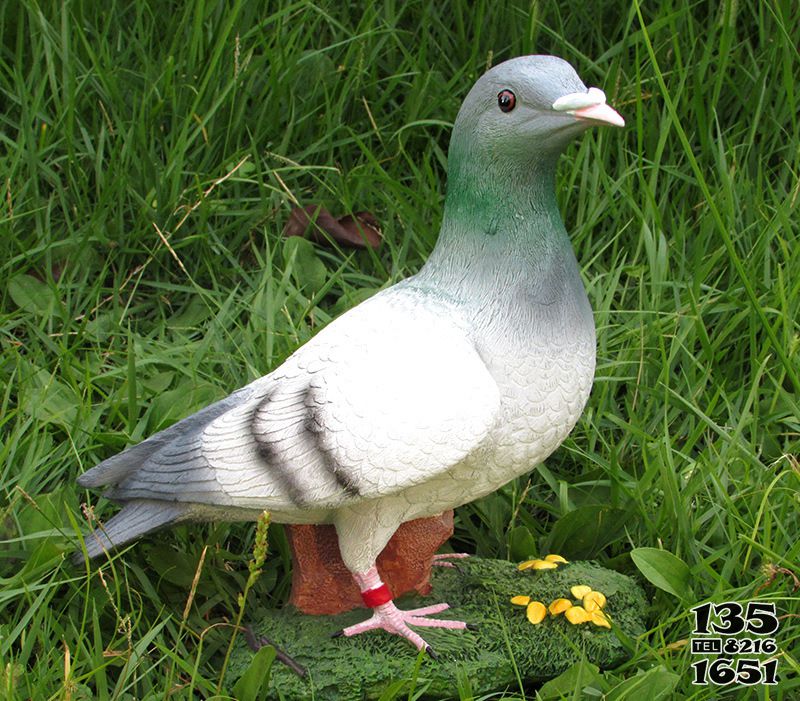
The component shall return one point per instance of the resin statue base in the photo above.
(321, 584)
(479, 591)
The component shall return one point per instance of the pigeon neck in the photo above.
(499, 218)
(504, 257)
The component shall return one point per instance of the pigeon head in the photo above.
(501, 203)
(526, 109)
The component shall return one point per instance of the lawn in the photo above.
(150, 154)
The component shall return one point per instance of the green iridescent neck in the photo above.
(497, 208)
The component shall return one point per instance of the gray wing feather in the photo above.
(119, 466)
(258, 452)
(364, 410)
(135, 519)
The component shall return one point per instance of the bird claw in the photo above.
(391, 619)
(254, 642)
(441, 560)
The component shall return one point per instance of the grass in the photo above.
(144, 275)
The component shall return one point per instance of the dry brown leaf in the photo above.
(359, 230)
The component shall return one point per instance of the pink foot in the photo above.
(391, 619)
(441, 560)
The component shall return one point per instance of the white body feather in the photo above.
(388, 414)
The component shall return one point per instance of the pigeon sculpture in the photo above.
(430, 394)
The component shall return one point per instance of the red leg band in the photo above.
(377, 596)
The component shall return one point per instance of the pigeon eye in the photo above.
(506, 100)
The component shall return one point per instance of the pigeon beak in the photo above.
(600, 113)
(591, 106)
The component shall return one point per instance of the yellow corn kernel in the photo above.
(543, 565)
(580, 590)
(520, 600)
(594, 601)
(536, 612)
(577, 614)
(600, 619)
(556, 558)
(559, 606)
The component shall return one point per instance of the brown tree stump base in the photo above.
(321, 584)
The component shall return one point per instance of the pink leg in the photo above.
(441, 560)
(386, 616)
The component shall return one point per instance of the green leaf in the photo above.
(158, 382)
(31, 295)
(301, 259)
(41, 525)
(664, 570)
(51, 401)
(46, 511)
(173, 566)
(351, 298)
(582, 533)
(521, 544)
(192, 315)
(393, 690)
(175, 404)
(654, 684)
(43, 557)
(103, 325)
(253, 684)
(572, 682)
(315, 70)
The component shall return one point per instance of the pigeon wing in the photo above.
(386, 397)
(398, 398)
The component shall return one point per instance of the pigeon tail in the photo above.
(137, 517)
(116, 468)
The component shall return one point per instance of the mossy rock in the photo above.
(488, 659)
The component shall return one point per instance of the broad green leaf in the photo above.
(51, 401)
(31, 295)
(253, 684)
(521, 544)
(173, 566)
(351, 299)
(582, 533)
(315, 70)
(301, 259)
(572, 682)
(664, 570)
(103, 325)
(175, 404)
(43, 557)
(46, 510)
(42, 528)
(158, 382)
(192, 315)
(654, 684)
